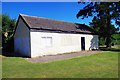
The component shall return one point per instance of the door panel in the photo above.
(82, 43)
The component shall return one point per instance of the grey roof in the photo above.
(39, 23)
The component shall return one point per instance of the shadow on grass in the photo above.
(9, 54)
(109, 49)
(12, 54)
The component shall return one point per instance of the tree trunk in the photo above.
(108, 39)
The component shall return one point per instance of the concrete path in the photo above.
(61, 56)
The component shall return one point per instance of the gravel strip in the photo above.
(62, 56)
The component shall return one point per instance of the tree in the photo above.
(0, 31)
(100, 27)
(116, 38)
(104, 13)
(8, 26)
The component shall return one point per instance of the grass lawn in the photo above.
(101, 65)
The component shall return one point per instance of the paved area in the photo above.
(61, 56)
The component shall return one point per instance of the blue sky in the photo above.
(65, 11)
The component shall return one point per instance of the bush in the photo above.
(101, 41)
(8, 26)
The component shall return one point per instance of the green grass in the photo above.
(115, 48)
(101, 65)
(0, 67)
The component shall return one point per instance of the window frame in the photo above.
(48, 41)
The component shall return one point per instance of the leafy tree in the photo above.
(0, 31)
(100, 28)
(116, 38)
(8, 26)
(104, 13)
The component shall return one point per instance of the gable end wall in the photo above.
(22, 39)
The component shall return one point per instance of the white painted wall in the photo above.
(22, 39)
(61, 43)
(32, 44)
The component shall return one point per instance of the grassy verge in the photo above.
(115, 48)
(101, 65)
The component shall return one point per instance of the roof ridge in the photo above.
(22, 15)
(47, 18)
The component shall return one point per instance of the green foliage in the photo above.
(103, 14)
(0, 22)
(8, 26)
(116, 38)
(101, 28)
(101, 41)
(0, 31)
(101, 65)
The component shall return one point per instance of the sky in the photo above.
(65, 11)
